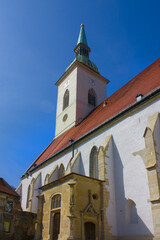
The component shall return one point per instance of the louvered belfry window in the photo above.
(66, 99)
(92, 97)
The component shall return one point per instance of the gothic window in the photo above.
(28, 196)
(46, 179)
(61, 171)
(66, 99)
(56, 201)
(93, 169)
(92, 97)
(131, 212)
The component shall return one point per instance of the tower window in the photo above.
(66, 99)
(92, 97)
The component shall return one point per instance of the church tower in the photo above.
(80, 89)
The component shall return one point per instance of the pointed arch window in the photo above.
(92, 97)
(93, 169)
(56, 201)
(61, 171)
(28, 196)
(46, 181)
(66, 99)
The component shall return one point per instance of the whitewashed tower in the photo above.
(80, 89)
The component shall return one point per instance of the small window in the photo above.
(66, 99)
(92, 97)
(56, 201)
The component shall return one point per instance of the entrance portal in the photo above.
(56, 226)
(90, 231)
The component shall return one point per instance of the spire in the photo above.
(82, 51)
(82, 48)
(82, 36)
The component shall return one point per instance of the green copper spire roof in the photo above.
(82, 51)
(82, 36)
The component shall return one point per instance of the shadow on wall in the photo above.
(129, 222)
(82, 170)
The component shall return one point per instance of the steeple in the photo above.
(80, 89)
(82, 48)
(82, 51)
(82, 36)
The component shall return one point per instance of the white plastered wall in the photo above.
(44, 171)
(157, 144)
(36, 192)
(78, 82)
(130, 174)
(111, 210)
(69, 83)
(85, 81)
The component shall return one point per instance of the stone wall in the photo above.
(14, 223)
(80, 203)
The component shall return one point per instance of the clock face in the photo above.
(9, 207)
(92, 82)
(66, 84)
(65, 117)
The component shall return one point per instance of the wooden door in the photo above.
(90, 231)
(56, 226)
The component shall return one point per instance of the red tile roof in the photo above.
(144, 83)
(6, 188)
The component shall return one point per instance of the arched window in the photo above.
(93, 169)
(66, 99)
(131, 212)
(61, 171)
(28, 196)
(56, 201)
(92, 97)
(46, 179)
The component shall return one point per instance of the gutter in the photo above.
(134, 105)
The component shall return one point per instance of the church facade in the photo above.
(99, 178)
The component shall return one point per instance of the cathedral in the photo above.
(99, 179)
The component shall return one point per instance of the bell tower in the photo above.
(80, 89)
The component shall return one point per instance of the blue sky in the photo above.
(37, 38)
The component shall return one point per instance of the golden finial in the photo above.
(82, 25)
